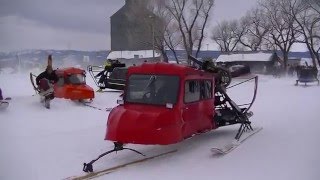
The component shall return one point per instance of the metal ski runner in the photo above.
(115, 168)
(229, 147)
(108, 109)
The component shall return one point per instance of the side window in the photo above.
(206, 89)
(191, 91)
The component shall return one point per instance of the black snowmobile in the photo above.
(113, 77)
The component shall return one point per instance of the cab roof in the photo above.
(69, 71)
(165, 69)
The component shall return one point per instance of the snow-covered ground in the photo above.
(41, 144)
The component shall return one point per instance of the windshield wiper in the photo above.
(151, 81)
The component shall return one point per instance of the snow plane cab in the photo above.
(166, 103)
(163, 104)
(72, 84)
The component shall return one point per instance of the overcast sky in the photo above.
(76, 24)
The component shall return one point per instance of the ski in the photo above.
(108, 109)
(111, 91)
(229, 147)
(115, 168)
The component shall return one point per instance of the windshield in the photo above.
(77, 79)
(152, 89)
(119, 73)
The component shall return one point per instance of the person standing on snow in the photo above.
(108, 67)
(4, 103)
(104, 72)
(1, 97)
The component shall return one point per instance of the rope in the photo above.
(241, 82)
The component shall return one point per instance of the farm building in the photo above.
(259, 62)
(134, 57)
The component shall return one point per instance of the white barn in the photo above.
(259, 62)
(134, 57)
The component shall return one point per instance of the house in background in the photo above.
(131, 58)
(259, 62)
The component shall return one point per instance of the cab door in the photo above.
(198, 109)
(206, 108)
(191, 108)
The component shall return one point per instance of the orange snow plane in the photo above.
(72, 84)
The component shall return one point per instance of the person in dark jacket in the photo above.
(1, 97)
(49, 74)
(104, 73)
(46, 79)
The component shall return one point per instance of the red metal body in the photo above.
(72, 85)
(140, 123)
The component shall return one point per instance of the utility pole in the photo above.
(19, 63)
(153, 34)
(153, 39)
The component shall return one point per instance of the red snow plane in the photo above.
(166, 103)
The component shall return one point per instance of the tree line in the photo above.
(270, 25)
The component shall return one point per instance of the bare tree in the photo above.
(314, 4)
(172, 39)
(192, 17)
(168, 37)
(283, 31)
(314, 28)
(308, 21)
(227, 35)
(255, 28)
